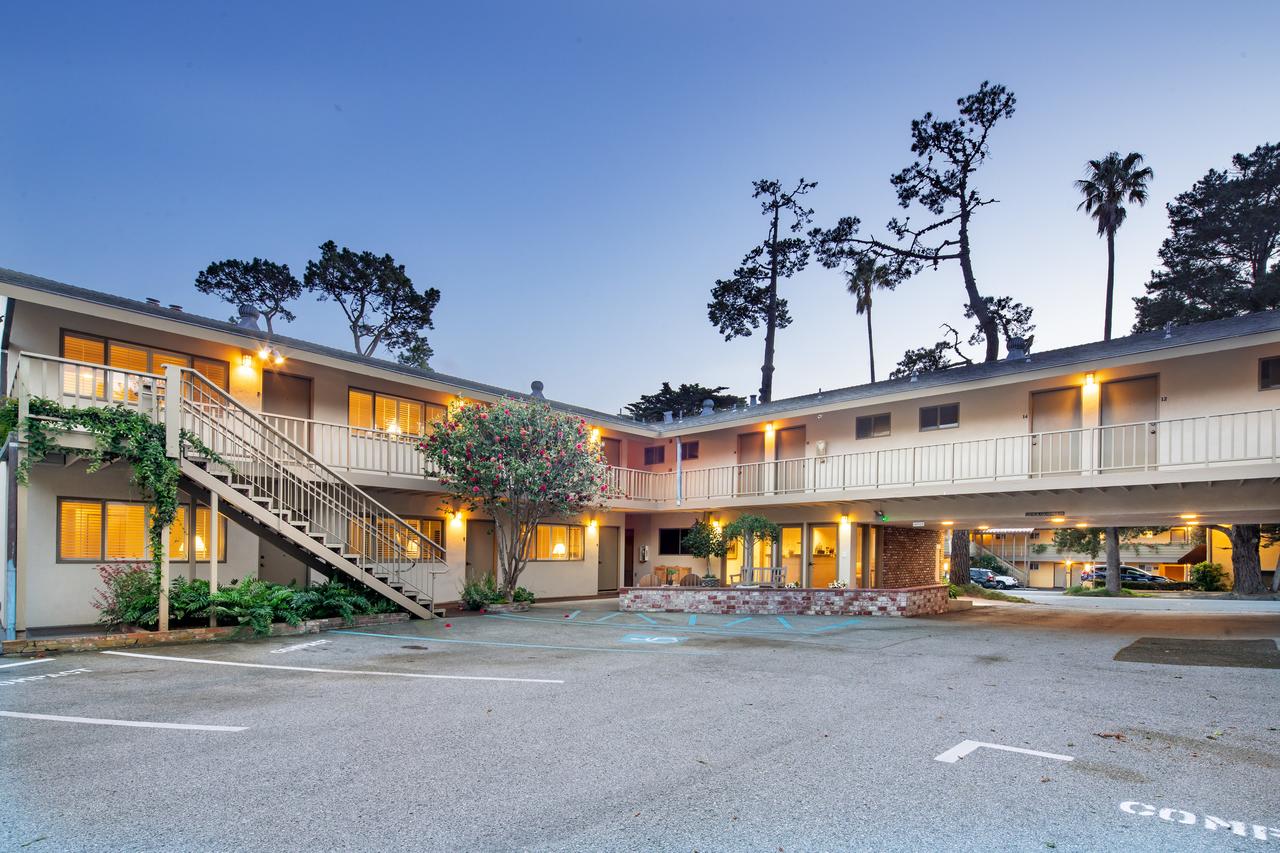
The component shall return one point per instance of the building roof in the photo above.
(256, 336)
(1082, 354)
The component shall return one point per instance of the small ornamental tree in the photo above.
(750, 528)
(521, 464)
(706, 541)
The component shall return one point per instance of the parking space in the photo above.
(578, 727)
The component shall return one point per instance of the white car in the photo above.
(1005, 581)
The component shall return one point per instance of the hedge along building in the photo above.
(323, 472)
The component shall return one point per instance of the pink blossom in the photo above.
(475, 490)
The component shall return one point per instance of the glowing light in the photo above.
(593, 524)
(1089, 380)
(199, 542)
(455, 519)
(768, 427)
(984, 526)
(246, 362)
(264, 353)
(947, 523)
(1188, 516)
(1081, 524)
(1057, 519)
(595, 435)
(844, 519)
(393, 427)
(559, 550)
(715, 522)
(278, 359)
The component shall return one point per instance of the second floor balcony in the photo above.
(1194, 448)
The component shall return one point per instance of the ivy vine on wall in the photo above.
(120, 434)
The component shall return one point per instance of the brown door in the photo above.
(788, 449)
(608, 561)
(750, 475)
(1129, 411)
(1055, 425)
(629, 558)
(613, 452)
(482, 551)
(290, 396)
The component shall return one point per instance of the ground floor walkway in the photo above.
(1156, 603)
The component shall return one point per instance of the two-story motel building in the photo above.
(1167, 429)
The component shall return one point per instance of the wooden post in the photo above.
(215, 528)
(164, 578)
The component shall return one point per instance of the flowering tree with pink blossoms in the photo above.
(521, 464)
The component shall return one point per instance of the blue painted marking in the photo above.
(840, 624)
(736, 621)
(784, 623)
(693, 619)
(574, 614)
(647, 619)
(650, 639)
(608, 616)
(428, 639)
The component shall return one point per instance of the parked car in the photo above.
(1005, 581)
(983, 578)
(1128, 574)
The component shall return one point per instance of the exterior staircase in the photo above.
(266, 479)
(1022, 575)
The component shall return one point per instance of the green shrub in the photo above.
(188, 599)
(257, 604)
(476, 595)
(523, 595)
(986, 561)
(953, 591)
(1209, 577)
(130, 595)
(1159, 587)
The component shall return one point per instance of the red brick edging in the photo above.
(903, 601)
(45, 645)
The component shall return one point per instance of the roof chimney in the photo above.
(753, 400)
(175, 307)
(535, 388)
(248, 317)
(1018, 348)
(668, 417)
(708, 406)
(151, 300)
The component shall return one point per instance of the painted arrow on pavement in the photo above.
(964, 747)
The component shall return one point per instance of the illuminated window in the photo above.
(216, 371)
(126, 531)
(557, 542)
(80, 530)
(127, 356)
(388, 413)
(202, 535)
(389, 539)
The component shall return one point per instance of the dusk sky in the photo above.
(575, 176)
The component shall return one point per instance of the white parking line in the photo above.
(95, 721)
(26, 662)
(339, 671)
(297, 646)
(964, 747)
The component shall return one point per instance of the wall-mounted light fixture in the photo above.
(246, 362)
(1058, 519)
(947, 523)
(1188, 516)
(844, 520)
(1082, 525)
(264, 352)
(593, 524)
(1089, 380)
(455, 518)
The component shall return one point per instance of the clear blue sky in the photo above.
(574, 176)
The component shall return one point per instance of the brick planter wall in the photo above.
(908, 601)
(908, 557)
(187, 635)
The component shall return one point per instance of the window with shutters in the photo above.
(389, 413)
(80, 530)
(557, 542)
(126, 537)
(78, 346)
(117, 531)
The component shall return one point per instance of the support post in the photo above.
(172, 410)
(11, 542)
(164, 579)
(215, 530)
(679, 472)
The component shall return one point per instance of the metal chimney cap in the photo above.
(668, 417)
(248, 316)
(535, 388)
(708, 406)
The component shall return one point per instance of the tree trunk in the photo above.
(985, 321)
(1246, 561)
(1113, 560)
(771, 321)
(1111, 282)
(960, 561)
(871, 347)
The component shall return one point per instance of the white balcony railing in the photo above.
(1238, 438)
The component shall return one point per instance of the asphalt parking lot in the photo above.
(576, 727)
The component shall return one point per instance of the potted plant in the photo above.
(671, 574)
(706, 541)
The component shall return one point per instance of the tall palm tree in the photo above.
(1107, 184)
(865, 277)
